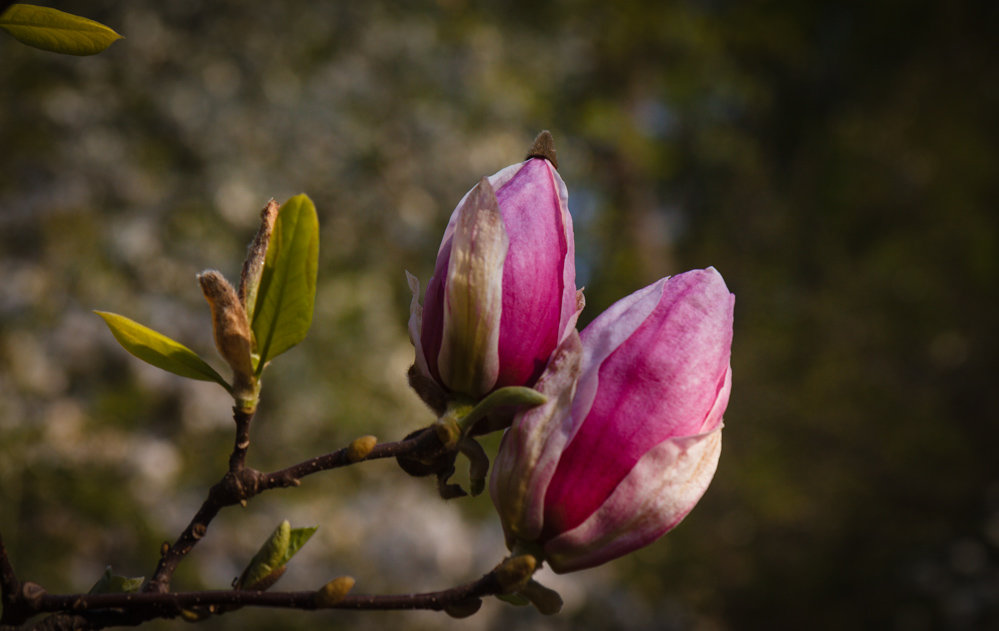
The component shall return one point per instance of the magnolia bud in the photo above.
(618, 457)
(503, 292)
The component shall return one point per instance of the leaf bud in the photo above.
(333, 592)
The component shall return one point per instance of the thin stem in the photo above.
(237, 460)
(423, 442)
(145, 606)
(232, 489)
(243, 483)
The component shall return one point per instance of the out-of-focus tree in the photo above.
(835, 162)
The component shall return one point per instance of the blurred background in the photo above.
(835, 161)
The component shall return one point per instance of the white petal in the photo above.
(473, 295)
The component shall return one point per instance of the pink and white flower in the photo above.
(631, 434)
(503, 293)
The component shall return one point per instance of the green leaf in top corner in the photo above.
(157, 349)
(287, 291)
(109, 583)
(56, 31)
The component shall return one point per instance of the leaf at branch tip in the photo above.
(269, 563)
(159, 350)
(56, 31)
(298, 538)
(253, 266)
(109, 583)
(286, 294)
(268, 560)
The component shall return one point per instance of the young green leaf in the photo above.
(287, 291)
(157, 349)
(111, 584)
(56, 31)
(268, 560)
(299, 536)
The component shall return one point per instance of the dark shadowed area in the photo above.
(835, 162)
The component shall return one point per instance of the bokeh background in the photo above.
(835, 161)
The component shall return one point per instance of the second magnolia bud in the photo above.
(503, 292)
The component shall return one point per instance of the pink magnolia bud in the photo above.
(631, 433)
(503, 293)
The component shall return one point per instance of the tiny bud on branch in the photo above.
(333, 592)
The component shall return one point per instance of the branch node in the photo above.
(32, 593)
(198, 530)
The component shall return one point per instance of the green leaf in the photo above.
(299, 537)
(111, 584)
(287, 291)
(268, 559)
(157, 349)
(56, 31)
(268, 564)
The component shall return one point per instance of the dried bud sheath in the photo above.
(253, 266)
(230, 325)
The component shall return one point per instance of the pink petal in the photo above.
(658, 492)
(662, 382)
(537, 301)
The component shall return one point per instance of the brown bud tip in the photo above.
(544, 147)
(253, 266)
(333, 592)
(229, 322)
(32, 593)
(545, 600)
(513, 573)
(360, 448)
(464, 608)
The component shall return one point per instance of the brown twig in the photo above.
(242, 483)
(97, 611)
(237, 460)
(425, 442)
(174, 602)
